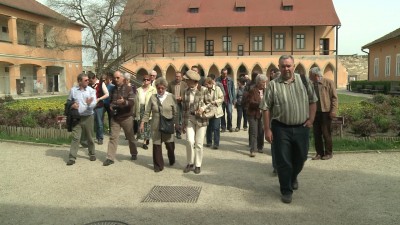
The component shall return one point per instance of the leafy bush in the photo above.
(28, 121)
(379, 98)
(32, 112)
(364, 127)
(382, 123)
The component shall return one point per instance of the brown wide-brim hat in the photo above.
(192, 75)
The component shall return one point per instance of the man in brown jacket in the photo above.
(122, 101)
(326, 110)
(178, 87)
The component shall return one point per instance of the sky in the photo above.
(363, 21)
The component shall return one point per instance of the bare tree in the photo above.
(106, 29)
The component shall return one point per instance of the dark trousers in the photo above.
(213, 131)
(109, 115)
(241, 112)
(158, 159)
(226, 124)
(256, 134)
(290, 152)
(323, 133)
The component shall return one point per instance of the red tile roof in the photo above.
(34, 7)
(221, 13)
(391, 35)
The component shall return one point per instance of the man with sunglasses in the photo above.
(84, 98)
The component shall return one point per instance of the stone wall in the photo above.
(355, 65)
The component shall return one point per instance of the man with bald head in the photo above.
(122, 101)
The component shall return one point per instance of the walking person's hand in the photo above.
(141, 128)
(268, 136)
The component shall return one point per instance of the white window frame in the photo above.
(279, 41)
(258, 43)
(387, 66)
(300, 41)
(376, 67)
(227, 43)
(398, 64)
(191, 44)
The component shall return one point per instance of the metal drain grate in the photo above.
(182, 194)
(107, 222)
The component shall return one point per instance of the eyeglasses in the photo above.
(146, 79)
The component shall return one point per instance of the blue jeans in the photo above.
(213, 131)
(227, 108)
(98, 123)
(241, 112)
(290, 146)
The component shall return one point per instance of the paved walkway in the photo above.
(36, 187)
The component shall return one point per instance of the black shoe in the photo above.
(147, 142)
(237, 129)
(145, 147)
(108, 162)
(178, 136)
(188, 168)
(197, 170)
(244, 128)
(208, 145)
(92, 158)
(171, 163)
(223, 130)
(286, 198)
(70, 162)
(295, 185)
(231, 130)
(156, 170)
(215, 147)
(100, 142)
(134, 157)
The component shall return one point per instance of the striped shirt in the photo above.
(288, 102)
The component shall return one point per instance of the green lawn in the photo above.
(349, 99)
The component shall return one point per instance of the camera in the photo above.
(114, 111)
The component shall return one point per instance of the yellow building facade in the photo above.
(243, 47)
(30, 62)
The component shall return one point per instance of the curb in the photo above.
(33, 143)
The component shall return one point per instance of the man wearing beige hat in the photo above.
(194, 126)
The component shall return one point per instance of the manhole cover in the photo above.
(183, 194)
(107, 222)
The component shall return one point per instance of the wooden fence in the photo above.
(35, 132)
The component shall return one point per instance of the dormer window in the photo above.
(194, 6)
(287, 5)
(240, 6)
(287, 8)
(149, 12)
(194, 10)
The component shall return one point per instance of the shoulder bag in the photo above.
(166, 125)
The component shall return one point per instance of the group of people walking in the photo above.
(280, 108)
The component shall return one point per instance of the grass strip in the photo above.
(53, 141)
